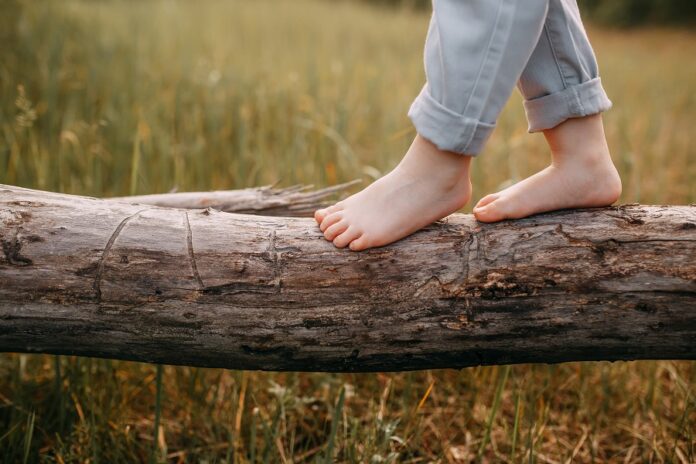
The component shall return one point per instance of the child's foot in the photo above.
(427, 185)
(581, 175)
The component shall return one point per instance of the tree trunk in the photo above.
(290, 201)
(101, 278)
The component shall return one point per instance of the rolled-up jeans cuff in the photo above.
(572, 102)
(447, 129)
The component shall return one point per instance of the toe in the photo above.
(319, 215)
(359, 243)
(336, 229)
(330, 220)
(488, 199)
(322, 213)
(492, 212)
(350, 234)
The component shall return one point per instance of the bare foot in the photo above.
(427, 185)
(581, 175)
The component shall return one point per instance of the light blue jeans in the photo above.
(476, 52)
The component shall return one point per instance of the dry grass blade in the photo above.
(577, 448)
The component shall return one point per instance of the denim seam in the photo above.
(580, 102)
(504, 47)
(555, 56)
(439, 54)
(573, 47)
(470, 136)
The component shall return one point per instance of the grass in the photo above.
(115, 98)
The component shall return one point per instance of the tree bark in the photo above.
(293, 201)
(101, 278)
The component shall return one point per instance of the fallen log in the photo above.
(101, 278)
(295, 201)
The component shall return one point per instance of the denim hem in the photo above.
(447, 129)
(572, 102)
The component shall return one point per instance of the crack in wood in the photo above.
(467, 256)
(481, 238)
(191, 255)
(585, 242)
(11, 249)
(457, 287)
(274, 257)
(423, 287)
(649, 240)
(597, 245)
(629, 219)
(100, 265)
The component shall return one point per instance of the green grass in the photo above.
(121, 97)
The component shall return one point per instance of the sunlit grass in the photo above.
(148, 96)
(106, 98)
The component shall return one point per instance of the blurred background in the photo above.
(131, 97)
(618, 13)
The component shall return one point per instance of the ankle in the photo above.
(583, 135)
(579, 142)
(584, 158)
(423, 158)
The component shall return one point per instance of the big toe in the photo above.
(360, 243)
(491, 212)
(488, 199)
(350, 234)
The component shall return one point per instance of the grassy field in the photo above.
(123, 97)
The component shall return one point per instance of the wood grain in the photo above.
(205, 288)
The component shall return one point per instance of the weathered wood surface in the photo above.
(96, 278)
(295, 201)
